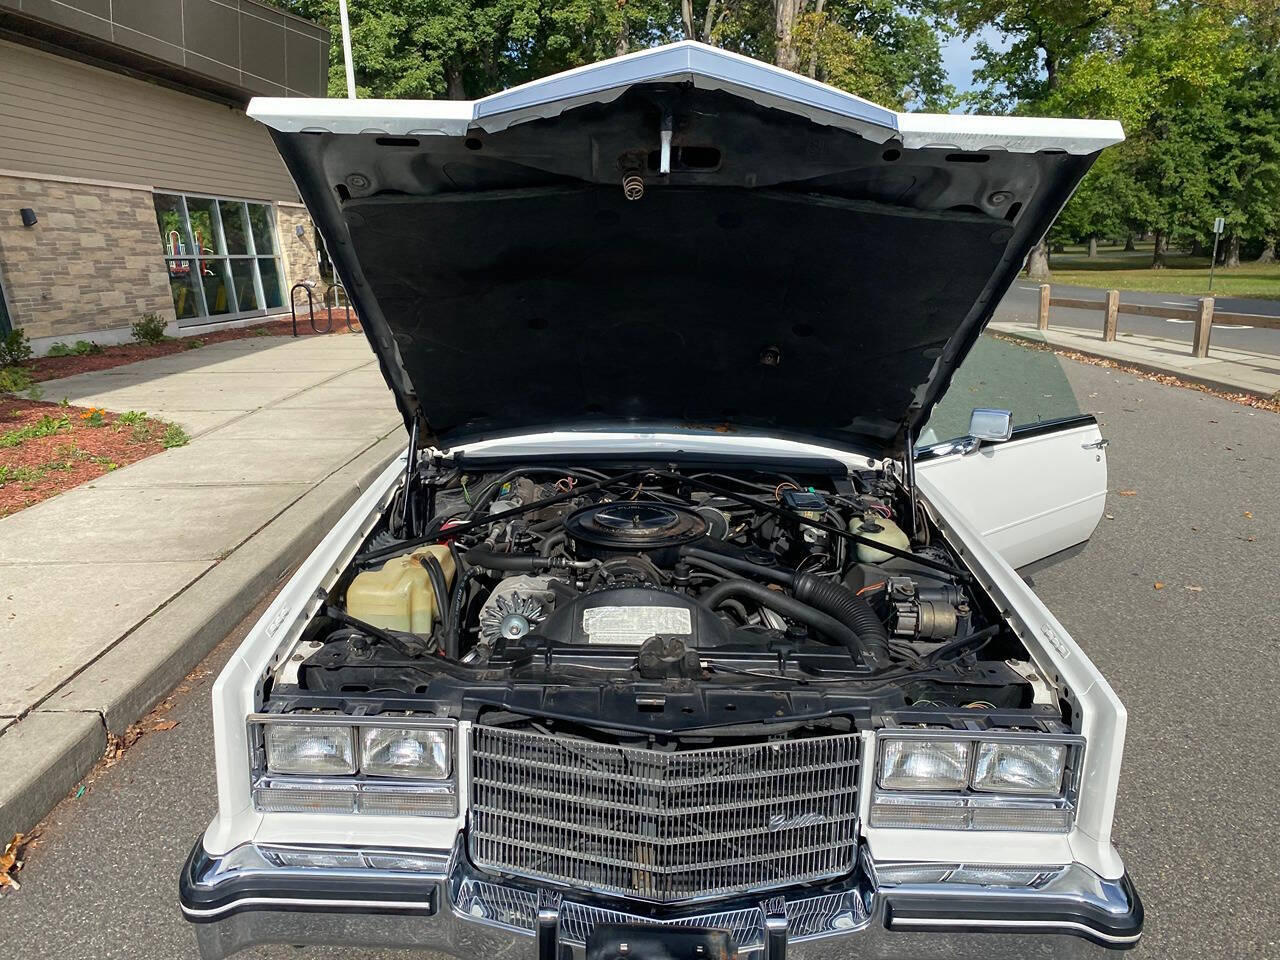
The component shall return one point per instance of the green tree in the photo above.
(462, 49)
(1045, 39)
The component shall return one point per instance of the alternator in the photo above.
(510, 616)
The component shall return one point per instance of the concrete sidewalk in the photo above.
(1226, 368)
(113, 591)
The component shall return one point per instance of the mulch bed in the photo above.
(53, 368)
(46, 448)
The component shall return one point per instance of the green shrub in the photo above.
(46, 426)
(149, 329)
(81, 348)
(174, 436)
(14, 348)
(14, 380)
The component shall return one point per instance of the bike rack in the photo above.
(307, 286)
(293, 304)
(346, 306)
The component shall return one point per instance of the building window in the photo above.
(222, 257)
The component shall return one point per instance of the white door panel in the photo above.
(1031, 496)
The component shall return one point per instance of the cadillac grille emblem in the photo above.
(781, 821)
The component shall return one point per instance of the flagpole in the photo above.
(346, 50)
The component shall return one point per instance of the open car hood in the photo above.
(812, 265)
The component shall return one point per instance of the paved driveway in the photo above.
(1194, 504)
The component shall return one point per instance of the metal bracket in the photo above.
(775, 928)
(548, 931)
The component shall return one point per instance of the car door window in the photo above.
(1004, 376)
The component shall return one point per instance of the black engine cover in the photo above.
(629, 527)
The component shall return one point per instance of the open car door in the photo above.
(1035, 494)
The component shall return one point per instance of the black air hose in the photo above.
(846, 606)
(440, 589)
(453, 636)
(774, 574)
(481, 556)
(551, 541)
(790, 607)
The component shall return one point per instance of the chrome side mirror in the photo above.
(990, 424)
(986, 424)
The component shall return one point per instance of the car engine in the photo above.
(658, 597)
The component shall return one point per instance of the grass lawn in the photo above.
(1113, 269)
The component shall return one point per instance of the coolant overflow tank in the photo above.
(881, 530)
(398, 595)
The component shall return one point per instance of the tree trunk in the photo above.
(1198, 249)
(454, 88)
(1128, 243)
(1038, 261)
(709, 23)
(1231, 256)
(813, 54)
(1268, 254)
(1159, 250)
(686, 14)
(623, 43)
(1093, 247)
(785, 13)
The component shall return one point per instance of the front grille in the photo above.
(663, 826)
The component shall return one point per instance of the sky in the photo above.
(956, 54)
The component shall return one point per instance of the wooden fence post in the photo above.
(1109, 322)
(1204, 324)
(1043, 320)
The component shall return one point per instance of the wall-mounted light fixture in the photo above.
(29, 218)
(299, 231)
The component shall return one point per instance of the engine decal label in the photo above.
(634, 625)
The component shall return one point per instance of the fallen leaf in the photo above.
(1126, 493)
(1248, 515)
(10, 862)
(1110, 516)
(164, 724)
(1193, 589)
(1159, 584)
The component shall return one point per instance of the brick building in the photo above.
(131, 181)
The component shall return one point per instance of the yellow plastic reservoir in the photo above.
(882, 530)
(398, 596)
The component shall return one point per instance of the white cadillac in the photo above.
(668, 638)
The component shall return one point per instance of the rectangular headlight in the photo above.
(418, 752)
(924, 764)
(309, 750)
(1033, 769)
(996, 780)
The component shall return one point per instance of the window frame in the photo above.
(224, 259)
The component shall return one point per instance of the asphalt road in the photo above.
(1022, 302)
(1194, 505)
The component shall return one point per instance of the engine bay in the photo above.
(661, 598)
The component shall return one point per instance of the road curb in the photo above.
(1224, 386)
(47, 752)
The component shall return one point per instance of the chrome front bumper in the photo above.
(438, 902)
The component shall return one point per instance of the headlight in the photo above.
(307, 750)
(924, 764)
(1022, 768)
(399, 752)
(973, 781)
(360, 765)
